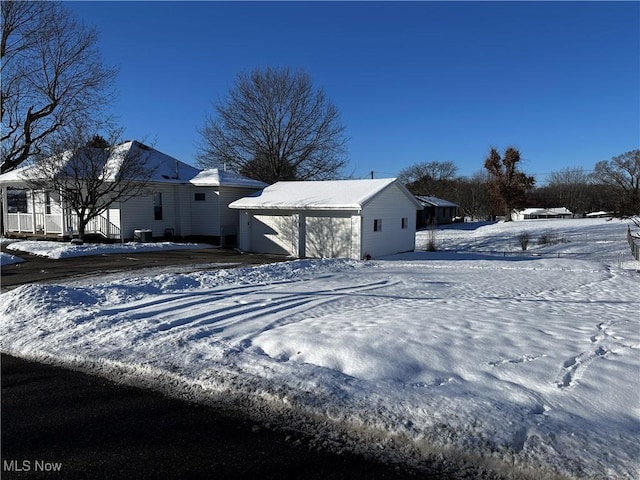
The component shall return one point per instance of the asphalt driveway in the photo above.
(37, 269)
(63, 424)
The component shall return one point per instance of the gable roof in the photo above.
(319, 195)
(434, 201)
(166, 169)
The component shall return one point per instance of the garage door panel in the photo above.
(328, 237)
(272, 234)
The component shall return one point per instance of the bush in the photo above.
(550, 238)
(524, 239)
(431, 243)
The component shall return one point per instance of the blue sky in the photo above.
(414, 81)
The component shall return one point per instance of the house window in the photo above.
(377, 225)
(47, 203)
(157, 205)
(405, 223)
(199, 197)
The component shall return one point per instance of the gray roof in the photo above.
(434, 202)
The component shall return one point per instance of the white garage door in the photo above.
(273, 234)
(328, 237)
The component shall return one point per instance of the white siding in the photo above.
(204, 213)
(244, 230)
(212, 216)
(183, 201)
(137, 213)
(229, 218)
(391, 206)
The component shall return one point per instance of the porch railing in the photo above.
(53, 223)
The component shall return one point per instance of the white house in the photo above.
(329, 219)
(180, 200)
(538, 213)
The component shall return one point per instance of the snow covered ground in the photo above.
(8, 259)
(57, 250)
(523, 362)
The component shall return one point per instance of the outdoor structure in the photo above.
(435, 211)
(329, 219)
(179, 201)
(538, 213)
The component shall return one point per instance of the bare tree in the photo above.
(274, 125)
(507, 184)
(91, 173)
(622, 173)
(52, 77)
(473, 195)
(569, 187)
(430, 178)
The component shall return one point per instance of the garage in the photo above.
(329, 219)
(327, 237)
(272, 234)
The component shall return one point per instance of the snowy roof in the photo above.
(560, 211)
(318, 195)
(532, 211)
(434, 202)
(166, 169)
(601, 213)
(545, 211)
(215, 177)
(14, 177)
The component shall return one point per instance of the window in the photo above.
(405, 223)
(199, 197)
(377, 225)
(157, 206)
(47, 203)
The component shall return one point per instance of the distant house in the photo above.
(182, 201)
(539, 213)
(435, 211)
(599, 214)
(329, 219)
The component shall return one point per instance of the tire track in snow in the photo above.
(285, 312)
(215, 311)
